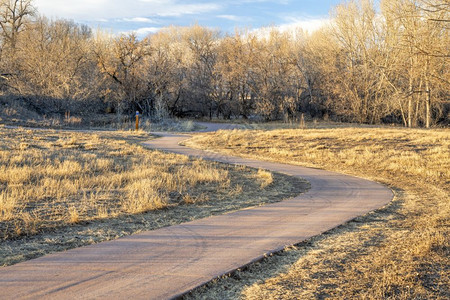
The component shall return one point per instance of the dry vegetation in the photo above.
(62, 189)
(51, 179)
(398, 252)
(375, 62)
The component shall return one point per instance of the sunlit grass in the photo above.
(63, 189)
(400, 252)
(49, 178)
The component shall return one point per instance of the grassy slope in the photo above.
(401, 251)
(60, 190)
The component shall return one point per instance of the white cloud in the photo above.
(124, 15)
(87, 10)
(307, 24)
(146, 30)
(229, 17)
(176, 10)
(140, 20)
(143, 31)
(262, 1)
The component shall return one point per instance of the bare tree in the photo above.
(13, 18)
(202, 44)
(304, 57)
(272, 77)
(53, 61)
(166, 69)
(355, 28)
(366, 67)
(421, 42)
(119, 59)
(234, 67)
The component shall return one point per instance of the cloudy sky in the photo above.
(147, 16)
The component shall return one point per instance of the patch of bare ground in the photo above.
(398, 252)
(62, 189)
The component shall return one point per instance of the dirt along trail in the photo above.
(171, 261)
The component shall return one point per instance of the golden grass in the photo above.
(62, 189)
(50, 178)
(400, 252)
(264, 177)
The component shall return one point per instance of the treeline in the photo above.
(366, 66)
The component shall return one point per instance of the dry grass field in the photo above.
(398, 252)
(62, 189)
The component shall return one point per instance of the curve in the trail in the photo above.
(168, 262)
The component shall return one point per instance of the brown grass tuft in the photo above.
(264, 177)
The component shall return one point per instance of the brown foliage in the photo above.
(364, 67)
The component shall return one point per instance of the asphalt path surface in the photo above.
(168, 262)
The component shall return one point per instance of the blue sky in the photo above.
(147, 16)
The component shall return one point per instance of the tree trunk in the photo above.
(118, 114)
(427, 103)
(427, 94)
(410, 111)
(410, 95)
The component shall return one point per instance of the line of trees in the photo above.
(366, 66)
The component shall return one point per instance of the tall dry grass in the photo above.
(50, 179)
(399, 252)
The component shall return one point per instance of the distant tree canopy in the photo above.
(366, 66)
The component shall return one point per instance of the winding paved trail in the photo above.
(168, 262)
